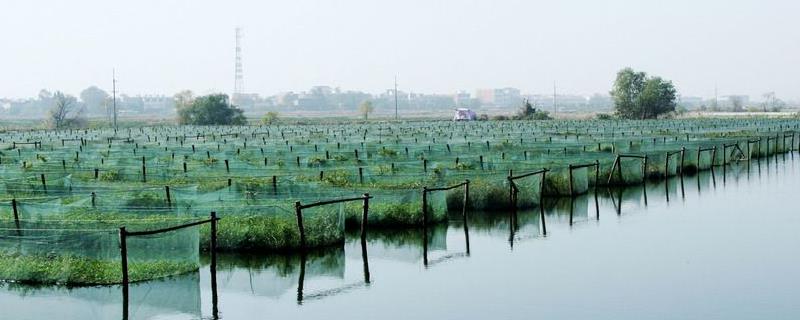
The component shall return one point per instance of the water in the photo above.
(707, 247)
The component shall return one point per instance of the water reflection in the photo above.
(177, 297)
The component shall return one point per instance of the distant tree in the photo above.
(65, 111)
(270, 117)
(183, 99)
(528, 112)
(777, 106)
(737, 105)
(637, 96)
(365, 108)
(211, 110)
(94, 99)
(772, 103)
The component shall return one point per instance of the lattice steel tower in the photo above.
(238, 84)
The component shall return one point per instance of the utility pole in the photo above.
(555, 108)
(716, 102)
(114, 95)
(396, 116)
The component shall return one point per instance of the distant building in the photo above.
(462, 99)
(690, 102)
(502, 97)
(157, 103)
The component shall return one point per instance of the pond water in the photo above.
(718, 245)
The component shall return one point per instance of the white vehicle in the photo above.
(464, 114)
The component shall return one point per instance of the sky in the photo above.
(164, 46)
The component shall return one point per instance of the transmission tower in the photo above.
(238, 83)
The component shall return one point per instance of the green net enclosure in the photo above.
(399, 208)
(87, 252)
(530, 190)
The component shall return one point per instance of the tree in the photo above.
(95, 100)
(637, 96)
(737, 105)
(528, 112)
(270, 117)
(365, 108)
(772, 103)
(657, 97)
(183, 99)
(65, 111)
(210, 110)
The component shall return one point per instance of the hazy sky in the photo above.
(163, 46)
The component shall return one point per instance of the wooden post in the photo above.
(541, 202)
(123, 252)
(613, 167)
(94, 197)
(683, 155)
(571, 190)
(44, 183)
(425, 165)
(698, 157)
(424, 206)
(466, 200)
(300, 227)
(96, 173)
(227, 166)
(14, 209)
(213, 249)
(713, 156)
(644, 170)
(63, 164)
(364, 217)
(184, 167)
(360, 175)
(481, 160)
(275, 184)
(596, 175)
(169, 198)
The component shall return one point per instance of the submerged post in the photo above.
(169, 198)
(571, 188)
(644, 170)
(541, 202)
(213, 248)
(466, 200)
(123, 252)
(300, 227)
(424, 206)
(364, 217)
